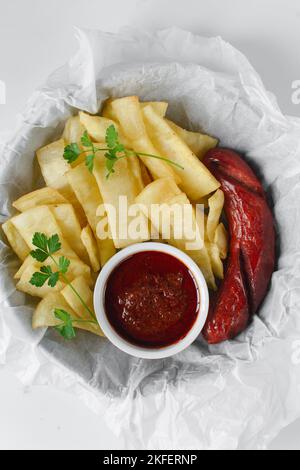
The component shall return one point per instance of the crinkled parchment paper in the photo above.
(237, 394)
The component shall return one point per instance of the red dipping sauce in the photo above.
(151, 299)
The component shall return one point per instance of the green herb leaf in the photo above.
(111, 137)
(45, 246)
(40, 241)
(64, 264)
(66, 329)
(46, 270)
(119, 148)
(53, 244)
(89, 161)
(72, 152)
(110, 167)
(38, 279)
(53, 279)
(114, 151)
(62, 315)
(114, 148)
(39, 255)
(86, 141)
(110, 155)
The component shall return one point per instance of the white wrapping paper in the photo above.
(235, 395)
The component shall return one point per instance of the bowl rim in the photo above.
(112, 334)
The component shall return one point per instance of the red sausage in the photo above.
(252, 247)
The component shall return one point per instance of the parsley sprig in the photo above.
(46, 249)
(66, 328)
(114, 151)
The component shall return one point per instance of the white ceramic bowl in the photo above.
(112, 334)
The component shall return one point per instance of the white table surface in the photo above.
(36, 37)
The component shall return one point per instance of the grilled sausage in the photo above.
(252, 247)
